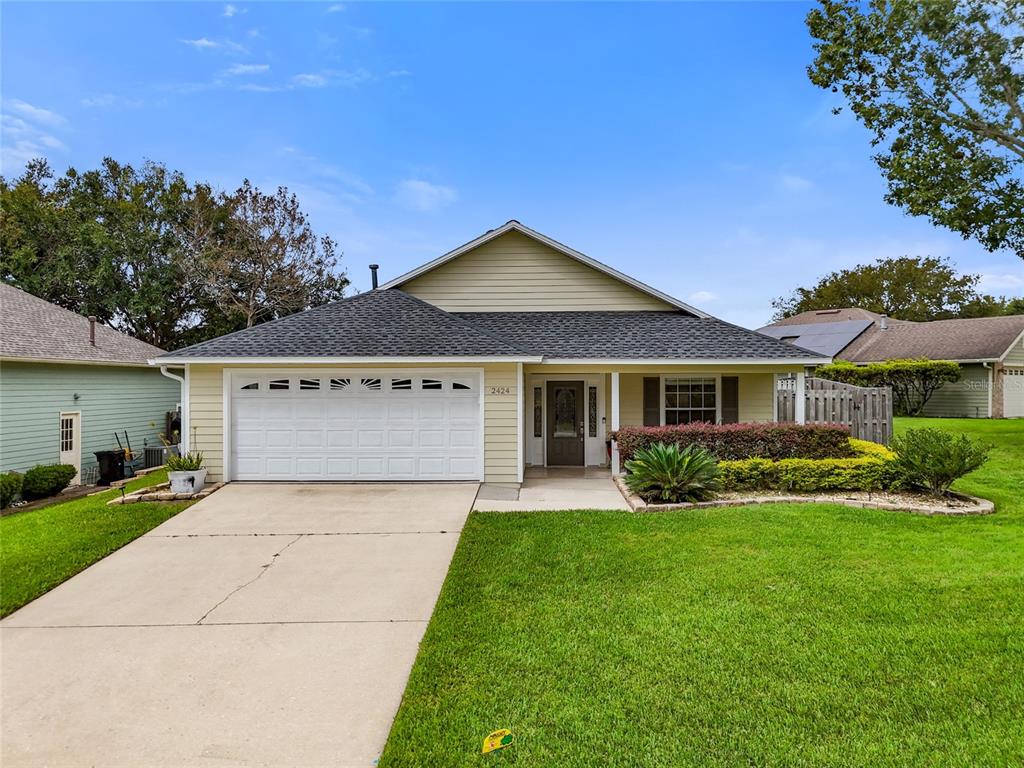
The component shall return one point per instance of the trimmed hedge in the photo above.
(47, 480)
(10, 487)
(729, 442)
(874, 467)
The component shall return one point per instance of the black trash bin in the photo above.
(111, 466)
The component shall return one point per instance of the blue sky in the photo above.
(681, 143)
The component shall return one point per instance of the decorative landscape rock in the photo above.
(961, 504)
(163, 492)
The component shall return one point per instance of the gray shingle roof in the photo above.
(381, 323)
(980, 338)
(34, 329)
(633, 335)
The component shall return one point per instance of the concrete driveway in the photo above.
(269, 624)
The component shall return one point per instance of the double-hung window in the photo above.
(690, 399)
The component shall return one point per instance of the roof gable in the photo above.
(516, 268)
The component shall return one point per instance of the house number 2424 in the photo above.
(499, 390)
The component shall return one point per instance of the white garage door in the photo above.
(1013, 393)
(356, 426)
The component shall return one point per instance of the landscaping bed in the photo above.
(897, 501)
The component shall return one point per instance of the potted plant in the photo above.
(186, 473)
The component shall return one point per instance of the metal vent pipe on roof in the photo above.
(92, 330)
(883, 322)
(373, 275)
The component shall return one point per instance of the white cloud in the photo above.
(793, 183)
(247, 69)
(702, 297)
(233, 10)
(108, 100)
(336, 8)
(36, 114)
(344, 77)
(202, 43)
(991, 283)
(309, 80)
(21, 141)
(421, 195)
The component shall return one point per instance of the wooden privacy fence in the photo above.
(867, 411)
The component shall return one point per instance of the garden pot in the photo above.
(187, 482)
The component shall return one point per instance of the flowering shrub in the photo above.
(743, 441)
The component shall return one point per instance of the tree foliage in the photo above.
(913, 382)
(939, 84)
(157, 257)
(910, 288)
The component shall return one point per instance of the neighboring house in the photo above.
(68, 384)
(511, 350)
(990, 351)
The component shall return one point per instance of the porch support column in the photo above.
(800, 399)
(615, 423)
(520, 426)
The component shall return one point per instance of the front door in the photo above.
(71, 443)
(565, 423)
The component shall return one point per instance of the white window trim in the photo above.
(718, 392)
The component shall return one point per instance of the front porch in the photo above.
(569, 412)
(549, 488)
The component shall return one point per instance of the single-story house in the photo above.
(68, 384)
(990, 351)
(511, 350)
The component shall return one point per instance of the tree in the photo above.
(913, 382)
(939, 84)
(909, 288)
(167, 261)
(269, 262)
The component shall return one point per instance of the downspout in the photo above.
(184, 405)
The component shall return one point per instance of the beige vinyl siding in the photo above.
(206, 386)
(501, 450)
(757, 397)
(206, 416)
(965, 398)
(516, 273)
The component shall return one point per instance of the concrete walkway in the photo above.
(548, 488)
(269, 624)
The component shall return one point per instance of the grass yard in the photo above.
(41, 548)
(783, 635)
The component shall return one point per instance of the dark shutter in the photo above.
(652, 401)
(730, 399)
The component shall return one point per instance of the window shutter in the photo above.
(652, 401)
(730, 399)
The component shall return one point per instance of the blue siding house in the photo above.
(68, 384)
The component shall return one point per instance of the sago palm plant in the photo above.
(664, 473)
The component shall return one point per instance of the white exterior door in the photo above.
(71, 443)
(1013, 393)
(356, 425)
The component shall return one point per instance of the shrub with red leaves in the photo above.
(744, 441)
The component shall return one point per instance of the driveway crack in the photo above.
(263, 569)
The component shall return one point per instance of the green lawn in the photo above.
(41, 548)
(782, 635)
